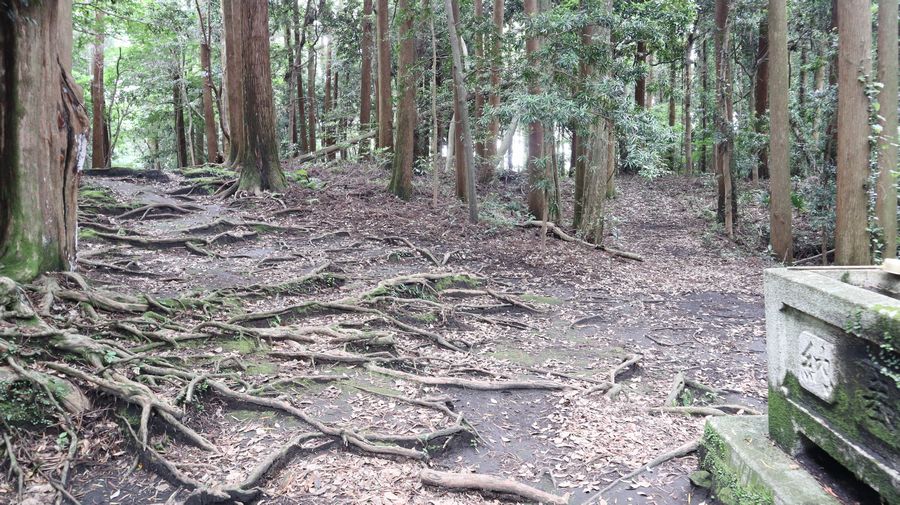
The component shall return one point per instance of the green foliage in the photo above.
(23, 404)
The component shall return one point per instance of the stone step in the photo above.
(746, 468)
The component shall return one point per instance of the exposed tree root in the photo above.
(469, 383)
(489, 483)
(684, 450)
(116, 359)
(145, 210)
(569, 238)
(163, 242)
(611, 387)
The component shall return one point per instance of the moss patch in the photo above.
(22, 404)
(727, 485)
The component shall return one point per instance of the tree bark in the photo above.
(686, 113)
(886, 191)
(209, 116)
(258, 161)
(328, 100)
(704, 102)
(311, 97)
(233, 76)
(404, 156)
(365, 79)
(480, 158)
(723, 119)
(597, 150)
(459, 85)
(178, 106)
(536, 165)
(99, 145)
(297, 71)
(490, 150)
(458, 146)
(385, 109)
(435, 133)
(640, 86)
(291, 79)
(761, 86)
(674, 149)
(779, 134)
(43, 139)
(854, 60)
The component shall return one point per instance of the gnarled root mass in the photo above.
(115, 347)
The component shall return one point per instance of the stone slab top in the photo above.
(755, 459)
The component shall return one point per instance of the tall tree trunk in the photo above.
(458, 145)
(779, 134)
(761, 169)
(259, 163)
(672, 80)
(178, 106)
(830, 148)
(404, 156)
(536, 165)
(311, 96)
(233, 75)
(496, 38)
(459, 85)
(723, 119)
(365, 78)
(189, 132)
(704, 103)
(43, 139)
(802, 77)
(209, 116)
(597, 152)
(640, 86)
(99, 154)
(686, 113)
(854, 60)
(479, 91)
(385, 109)
(327, 104)
(297, 71)
(293, 130)
(435, 133)
(886, 190)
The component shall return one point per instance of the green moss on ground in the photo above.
(24, 404)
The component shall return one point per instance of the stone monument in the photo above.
(833, 345)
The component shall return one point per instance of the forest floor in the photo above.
(337, 302)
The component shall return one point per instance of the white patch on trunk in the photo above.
(80, 151)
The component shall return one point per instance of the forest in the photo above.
(416, 251)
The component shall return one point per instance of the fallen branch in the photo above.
(334, 148)
(489, 483)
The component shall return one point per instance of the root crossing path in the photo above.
(335, 345)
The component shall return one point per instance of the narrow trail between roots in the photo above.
(328, 344)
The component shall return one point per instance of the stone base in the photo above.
(747, 469)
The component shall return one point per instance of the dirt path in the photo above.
(558, 312)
